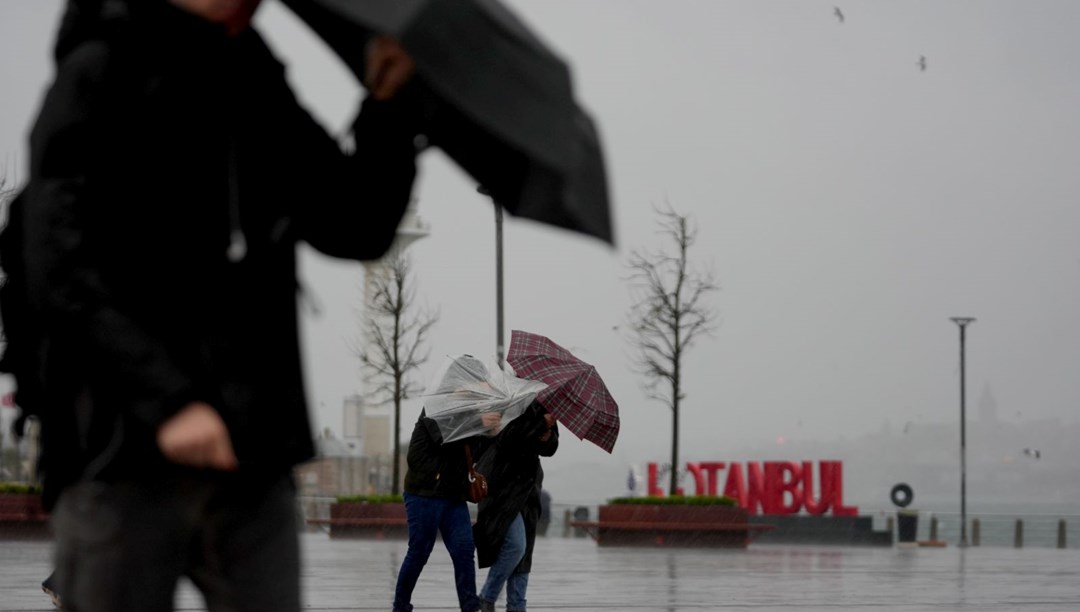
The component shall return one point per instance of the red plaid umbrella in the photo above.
(575, 394)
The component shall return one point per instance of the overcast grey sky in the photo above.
(848, 203)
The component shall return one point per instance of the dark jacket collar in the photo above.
(155, 21)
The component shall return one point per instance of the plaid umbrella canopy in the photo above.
(575, 394)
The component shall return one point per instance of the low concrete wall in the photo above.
(804, 529)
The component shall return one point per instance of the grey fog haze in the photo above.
(848, 201)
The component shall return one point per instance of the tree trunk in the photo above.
(395, 484)
(673, 488)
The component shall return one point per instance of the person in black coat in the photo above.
(505, 529)
(172, 174)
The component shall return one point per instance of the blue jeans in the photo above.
(502, 571)
(428, 517)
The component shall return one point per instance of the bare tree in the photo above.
(393, 339)
(670, 310)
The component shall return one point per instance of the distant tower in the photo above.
(411, 229)
(377, 435)
(383, 431)
(352, 423)
(366, 434)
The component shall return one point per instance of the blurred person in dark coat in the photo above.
(173, 173)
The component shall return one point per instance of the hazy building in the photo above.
(358, 463)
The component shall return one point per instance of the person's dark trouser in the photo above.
(502, 572)
(123, 546)
(427, 517)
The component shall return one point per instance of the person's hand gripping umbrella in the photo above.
(575, 394)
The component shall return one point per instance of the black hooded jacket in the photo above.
(437, 468)
(515, 478)
(172, 174)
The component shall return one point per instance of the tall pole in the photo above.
(499, 352)
(963, 323)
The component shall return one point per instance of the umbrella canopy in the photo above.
(576, 395)
(464, 388)
(503, 101)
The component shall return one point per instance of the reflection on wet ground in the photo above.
(575, 575)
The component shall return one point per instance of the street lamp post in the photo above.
(499, 353)
(963, 323)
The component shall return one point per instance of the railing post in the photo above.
(975, 531)
(933, 529)
(1018, 539)
(1061, 534)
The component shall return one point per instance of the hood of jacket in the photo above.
(85, 20)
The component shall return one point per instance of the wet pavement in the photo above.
(576, 575)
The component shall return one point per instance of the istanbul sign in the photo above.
(770, 487)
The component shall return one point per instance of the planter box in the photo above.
(22, 516)
(367, 520)
(672, 525)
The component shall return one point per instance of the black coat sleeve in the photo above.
(532, 435)
(352, 204)
(547, 448)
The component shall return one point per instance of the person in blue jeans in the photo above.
(435, 504)
(505, 529)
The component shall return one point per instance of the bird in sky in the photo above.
(839, 14)
(922, 63)
(1032, 452)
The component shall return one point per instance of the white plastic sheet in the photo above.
(464, 388)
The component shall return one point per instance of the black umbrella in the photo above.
(504, 109)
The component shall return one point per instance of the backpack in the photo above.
(22, 330)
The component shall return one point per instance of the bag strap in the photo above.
(468, 456)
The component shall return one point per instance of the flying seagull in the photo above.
(922, 63)
(1032, 452)
(839, 14)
